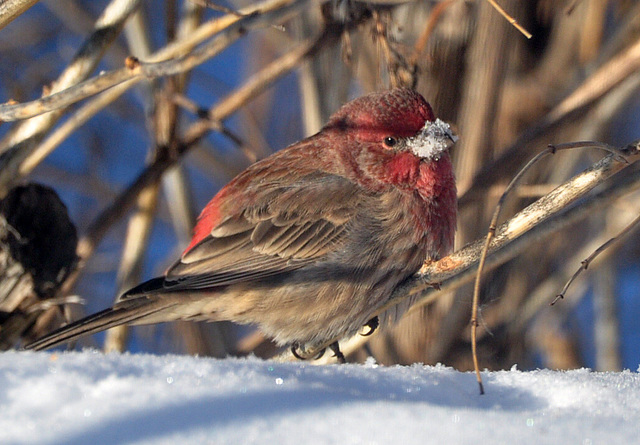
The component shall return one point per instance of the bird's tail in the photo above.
(129, 311)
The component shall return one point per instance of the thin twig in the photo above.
(510, 19)
(421, 43)
(150, 69)
(135, 72)
(602, 81)
(75, 121)
(551, 149)
(587, 261)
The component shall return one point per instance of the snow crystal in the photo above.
(434, 138)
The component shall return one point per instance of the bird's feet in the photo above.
(335, 347)
(436, 285)
(301, 353)
(372, 325)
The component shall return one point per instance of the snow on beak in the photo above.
(434, 138)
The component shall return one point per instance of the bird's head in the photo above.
(399, 120)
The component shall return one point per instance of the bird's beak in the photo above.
(452, 136)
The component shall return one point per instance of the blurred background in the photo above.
(135, 163)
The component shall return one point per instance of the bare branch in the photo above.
(18, 144)
(587, 261)
(136, 69)
(601, 82)
(10, 9)
(131, 74)
(552, 149)
(510, 19)
(107, 27)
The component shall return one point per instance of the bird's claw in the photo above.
(301, 353)
(372, 325)
(335, 347)
(436, 285)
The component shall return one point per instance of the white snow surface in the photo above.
(90, 398)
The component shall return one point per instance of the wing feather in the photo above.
(293, 225)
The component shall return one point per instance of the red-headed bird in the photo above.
(309, 242)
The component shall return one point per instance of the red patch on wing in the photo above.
(208, 219)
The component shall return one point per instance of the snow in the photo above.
(434, 138)
(87, 397)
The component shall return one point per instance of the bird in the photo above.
(311, 241)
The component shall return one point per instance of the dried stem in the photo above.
(587, 261)
(421, 43)
(552, 149)
(601, 82)
(136, 69)
(510, 19)
(141, 221)
(135, 245)
(10, 9)
(135, 72)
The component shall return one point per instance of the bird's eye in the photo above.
(390, 142)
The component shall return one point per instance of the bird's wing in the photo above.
(287, 226)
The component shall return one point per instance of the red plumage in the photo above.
(309, 242)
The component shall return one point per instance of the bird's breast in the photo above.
(436, 206)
